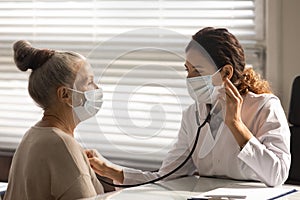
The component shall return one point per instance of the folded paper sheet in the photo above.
(246, 193)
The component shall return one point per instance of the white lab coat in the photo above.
(266, 157)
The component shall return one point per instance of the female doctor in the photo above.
(247, 136)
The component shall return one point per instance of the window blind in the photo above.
(136, 49)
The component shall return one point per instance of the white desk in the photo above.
(183, 188)
(3, 187)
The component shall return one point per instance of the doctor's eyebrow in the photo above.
(198, 68)
(195, 68)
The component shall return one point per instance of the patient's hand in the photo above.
(104, 167)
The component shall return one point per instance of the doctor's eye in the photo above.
(186, 68)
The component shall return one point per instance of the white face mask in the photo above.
(202, 90)
(90, 105)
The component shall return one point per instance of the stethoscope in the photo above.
(207, 119)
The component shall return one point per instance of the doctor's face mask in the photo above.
(202, 90)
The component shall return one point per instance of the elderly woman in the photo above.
(246, 136)
(49, 163)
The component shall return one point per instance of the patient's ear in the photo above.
(63, 94)
(227, 72)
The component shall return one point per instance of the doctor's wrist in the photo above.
(240, 132)
(115, 173)
(119, 176)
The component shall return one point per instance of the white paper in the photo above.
(3, 186)
(247, 193)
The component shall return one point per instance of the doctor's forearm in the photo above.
(115, 173)
(108, 170)
(270, 165)
(240, 132)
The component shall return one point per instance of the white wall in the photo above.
(283, 41)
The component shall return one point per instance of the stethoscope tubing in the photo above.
(174, 170)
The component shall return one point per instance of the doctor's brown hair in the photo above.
(224, 48)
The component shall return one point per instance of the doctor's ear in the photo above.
(63, 94)
(227, 72)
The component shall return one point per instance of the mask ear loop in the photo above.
(81, 101)
(217, 102)
(217, 71)
(70, 105)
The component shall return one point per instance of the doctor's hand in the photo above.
(233, 119)
(233, 102)
(92, 153)
(104, 167)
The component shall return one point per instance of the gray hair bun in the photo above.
(27, 57)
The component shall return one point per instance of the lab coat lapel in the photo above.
(220, 130)
(206, 140)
